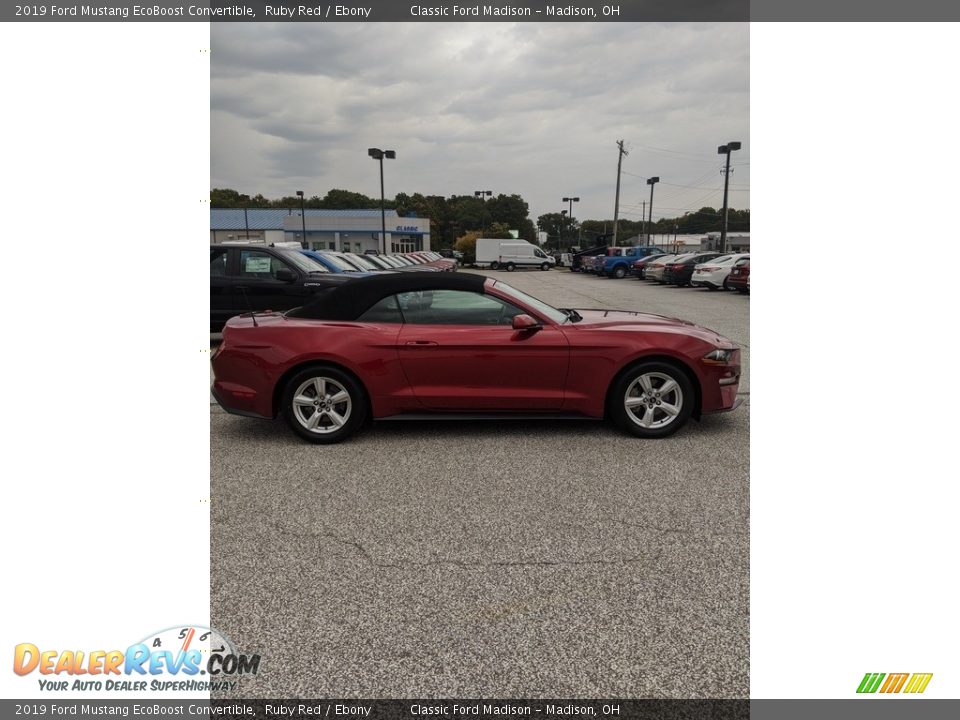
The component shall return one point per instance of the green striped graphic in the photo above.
(870, 682)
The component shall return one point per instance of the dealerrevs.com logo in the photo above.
(182, 659)
(912, 683)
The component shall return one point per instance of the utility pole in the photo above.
(616, 205)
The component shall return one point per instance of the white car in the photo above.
(713, 274)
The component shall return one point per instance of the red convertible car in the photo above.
(410, 344)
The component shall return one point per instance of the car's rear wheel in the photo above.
(323, 404)
(511, 267)
(619, 272)
(652, 400)
(726, 285)
(494, 266)
(544, 266)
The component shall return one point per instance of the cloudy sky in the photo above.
(531, 108)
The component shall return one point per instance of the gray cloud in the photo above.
(529, 108)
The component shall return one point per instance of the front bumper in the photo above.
(735, 403)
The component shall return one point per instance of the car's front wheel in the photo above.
(619, 272)
(544, 266)
(324, 405)
(652, 400)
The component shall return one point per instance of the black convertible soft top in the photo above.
(351, 299)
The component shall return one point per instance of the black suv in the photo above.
(260, 277)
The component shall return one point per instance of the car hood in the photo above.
(629, 320)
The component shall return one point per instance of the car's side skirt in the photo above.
(487, 416)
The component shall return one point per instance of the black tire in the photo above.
(353, 410)
(511, 267)
(659, 421)
(619, 272)
(544, 266)
(494, 266)
(726, 285)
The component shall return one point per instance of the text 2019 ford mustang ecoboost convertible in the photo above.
(410, 344)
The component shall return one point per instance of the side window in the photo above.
(255, 264)
(218, 263)
(385, 311)
(455, 307)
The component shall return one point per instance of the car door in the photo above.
(460, 353)
(221, 292)
(259, 283)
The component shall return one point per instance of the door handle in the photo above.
(421, 343)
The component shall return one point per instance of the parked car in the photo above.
(617, 264)
(579, 259)
(739, 276)
(379, 260)
(335, 262)
(257, 278)
(364, 262)
(679, 271)
(403, 344)
(655, 269)
(713, 274)
(639, 267)
(437, 260)
(406, 264)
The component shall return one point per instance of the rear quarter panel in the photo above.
(261, 358)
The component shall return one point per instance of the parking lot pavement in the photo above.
(468, 559)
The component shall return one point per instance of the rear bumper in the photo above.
(237, 400)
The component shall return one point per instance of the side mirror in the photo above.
(286, 275)
(525, 322)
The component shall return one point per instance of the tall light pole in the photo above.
(303, 221)
(651, 182)
(726, 150)
(570, 201)
(563, 215)
(378, 154)
(483, 195)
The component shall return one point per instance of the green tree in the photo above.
(337, 199)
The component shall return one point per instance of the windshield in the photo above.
(538, 305)
(340, 262)
(361, 261)
(302, 262)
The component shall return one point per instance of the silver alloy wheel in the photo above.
(653, 400)
(322, 405)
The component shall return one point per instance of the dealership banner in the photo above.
(304, 709)
(467, 11)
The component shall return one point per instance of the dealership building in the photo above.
(345, 230)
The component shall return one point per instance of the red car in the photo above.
(739, 275)
(409, 344)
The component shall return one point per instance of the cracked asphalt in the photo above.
(492, 559)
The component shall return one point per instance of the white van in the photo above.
(511, 254)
